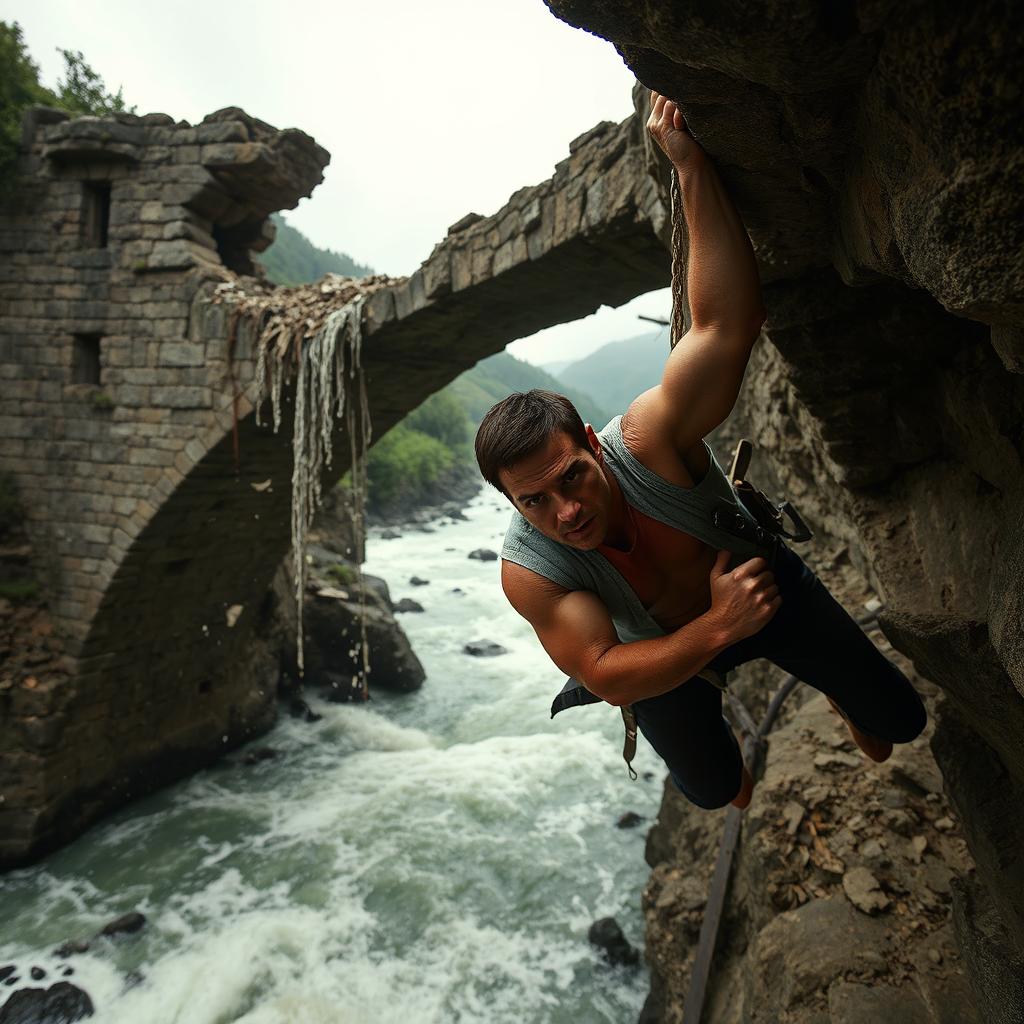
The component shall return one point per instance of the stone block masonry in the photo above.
(106, 241)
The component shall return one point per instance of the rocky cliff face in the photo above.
(875, 152)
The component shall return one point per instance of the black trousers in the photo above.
(810, 636)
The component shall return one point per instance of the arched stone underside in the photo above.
(876, 154)
(164, 683)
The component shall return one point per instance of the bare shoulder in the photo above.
(647, 431)
(531, 594)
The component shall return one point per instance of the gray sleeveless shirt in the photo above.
(694, 510)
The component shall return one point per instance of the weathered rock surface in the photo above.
(841, 879)
(996, 968)
(875, 157)
(62, 1003)
(607, 935)
(484, 649)
(332, 613)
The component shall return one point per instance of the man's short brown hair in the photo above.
(519, 425)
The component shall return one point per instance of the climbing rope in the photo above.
(679, 259)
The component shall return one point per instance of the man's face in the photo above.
(562, 491)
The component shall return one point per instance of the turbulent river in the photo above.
(431, 857)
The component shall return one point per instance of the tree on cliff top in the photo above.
(19, 88)
(80, 91)
(83, 91)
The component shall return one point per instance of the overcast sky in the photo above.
(429, 110)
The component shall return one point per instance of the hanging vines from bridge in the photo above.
(313, 334)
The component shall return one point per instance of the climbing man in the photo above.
(644, 577)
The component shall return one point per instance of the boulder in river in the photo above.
(629, 820)
(484, 649)
(407, 604)
(126, 923)
(298, 708)
(71, 947)
(415, 581)
(607, 936)
(484, 555)
(62, 1003)
(343, 689)
(259, 754)
(333, 636)
(390, 535)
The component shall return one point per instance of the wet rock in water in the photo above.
(484, 649)
(863, 891)
(374, 585)
(129, 923)
(333, 648)
(390, 535)
(298, 708)
(259, 754)
(407, 604)
(484, 555)
(62, 1003)
(457, 590)
(67, 972)
(629, 820)
(6, 971)
(133, 979)
(341, 690)
(37, 973)
(12, 980)
(607, 936)
(415, 581)
(70, 948)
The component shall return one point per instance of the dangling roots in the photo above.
(306, 333)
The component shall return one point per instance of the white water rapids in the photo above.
(432, 857)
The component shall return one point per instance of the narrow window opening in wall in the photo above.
(95, 214)
(85, 363)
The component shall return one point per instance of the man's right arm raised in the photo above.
(577, 632)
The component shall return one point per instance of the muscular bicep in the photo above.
(701, 381)
(573, 626)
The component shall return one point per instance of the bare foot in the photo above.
(878, 750)
(742, 798)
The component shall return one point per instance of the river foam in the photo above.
(430, 857)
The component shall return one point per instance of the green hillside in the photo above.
(293, 259)
(498, 376)
(615, 374)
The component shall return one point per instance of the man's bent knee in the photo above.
(713, 794)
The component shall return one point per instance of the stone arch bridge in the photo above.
(120, 427)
